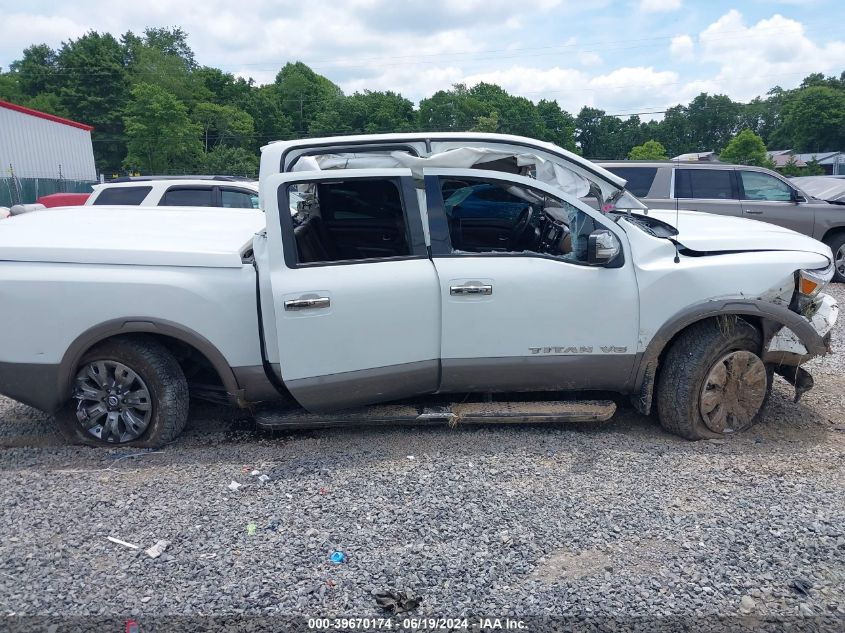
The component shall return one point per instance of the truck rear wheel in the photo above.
(712, 381)
(126, 392)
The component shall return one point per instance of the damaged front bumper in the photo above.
(787, 351)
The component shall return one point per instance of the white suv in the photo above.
(162, 191)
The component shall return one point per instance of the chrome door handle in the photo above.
(749, 212)
(471, 290)
(305, 304)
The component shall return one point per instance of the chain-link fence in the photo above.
(15, 190)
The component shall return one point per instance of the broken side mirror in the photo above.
(603, 247)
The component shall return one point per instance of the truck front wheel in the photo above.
(837, 245)
(712, 381)
(127, 391)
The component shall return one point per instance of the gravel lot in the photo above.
(615, 520)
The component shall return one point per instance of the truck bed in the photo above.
(148, 236)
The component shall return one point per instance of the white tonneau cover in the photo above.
(146, 236)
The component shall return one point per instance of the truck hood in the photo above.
(709, 233)
(145, 236)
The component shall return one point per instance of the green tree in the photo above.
(558, 125)
(223, 125)
(650, 150)
(814, 118)
(813, 168)
(602, 136)
(230, 161)
(450, 110)
(487, 123)
(368, 112)
(271, 124)
(94, 90)
(36, 71)
(10, 89)
(713, 121)
(302, 94)
(791, 168)
(746, 148)
(161, 137)
(162, 57)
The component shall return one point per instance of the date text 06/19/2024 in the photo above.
(448, 624)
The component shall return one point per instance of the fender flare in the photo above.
(777, 316)
(141, 325)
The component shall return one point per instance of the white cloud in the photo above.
(590, 58)
(682, 48)
(659, 6)
(752, 59)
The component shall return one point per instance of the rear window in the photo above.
(188, 197)
(711, 184)
(122, 195)
(639, 178)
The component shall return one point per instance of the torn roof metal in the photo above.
(283, 155)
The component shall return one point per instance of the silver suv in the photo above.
(751, 192)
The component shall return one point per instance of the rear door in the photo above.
(770, 199)
(355, 298)
(515, 316)
(709, 189)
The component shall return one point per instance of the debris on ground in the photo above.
(397, 601)
(250, 529)
(272, 524)
(323, 491)
(801, 585)
(234, 485)
(337, 558)
(263, 478)
(158, 549)
(124, 543)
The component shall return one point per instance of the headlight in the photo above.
(811, 283)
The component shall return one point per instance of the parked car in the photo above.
(377, 291)
(63, 199)
(828, 188)
(741, 191)
(182, 191)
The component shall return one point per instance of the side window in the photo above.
(716, 184)
(348, 220)
(123, 195)
(493, 216)
(188, 197)
(759, 186)
(639, 178)
(238, 199)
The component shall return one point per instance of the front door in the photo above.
(355, 296)
(770, 199)
(521, 308)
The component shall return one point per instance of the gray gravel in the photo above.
(616, 519)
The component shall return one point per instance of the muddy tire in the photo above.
(126, 392)
(712, 382)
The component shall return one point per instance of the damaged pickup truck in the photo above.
(395, 276)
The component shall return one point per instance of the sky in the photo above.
(623, 56)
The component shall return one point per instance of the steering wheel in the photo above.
(522, 228)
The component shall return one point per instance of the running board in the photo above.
(452, 414)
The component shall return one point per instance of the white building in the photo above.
(37, 148)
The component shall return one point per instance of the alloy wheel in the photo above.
(113, 402)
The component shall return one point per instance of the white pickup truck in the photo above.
(394, 276)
